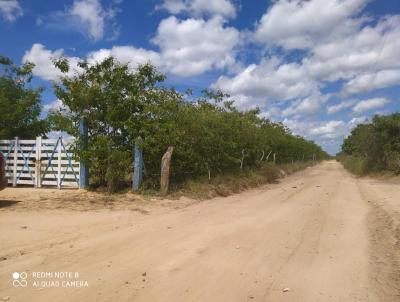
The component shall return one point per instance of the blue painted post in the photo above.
(138, 166)
(84, 170)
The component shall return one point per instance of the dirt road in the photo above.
(318, 235)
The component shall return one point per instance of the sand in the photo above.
(318, 235)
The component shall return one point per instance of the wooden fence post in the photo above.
(138, 166)
(38, 176)
(165, 164)
(15, 166)
(83, 169)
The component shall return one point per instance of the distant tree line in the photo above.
(374, 146)
(122, 106)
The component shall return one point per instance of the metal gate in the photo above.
(40, 162)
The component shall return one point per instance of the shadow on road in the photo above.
(8, 203)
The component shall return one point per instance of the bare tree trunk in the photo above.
(241, 161)
(209, 172)
(268, 155)
(165, 164)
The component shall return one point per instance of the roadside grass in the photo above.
(232, 183)
(355, 165)
(361, 167)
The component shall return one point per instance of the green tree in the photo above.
(19, 104)
(375, 146)
(113, 101)
(208, 133)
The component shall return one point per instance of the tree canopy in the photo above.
(376, 144)
(20, 107)
(208, 133)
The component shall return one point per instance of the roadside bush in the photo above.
(118, 172)
(373, 147)
(356, 165)
(210, 136)
(270, 171)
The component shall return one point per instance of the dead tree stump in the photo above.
(165, 164)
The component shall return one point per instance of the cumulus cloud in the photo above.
(194, 46)
(358, 120)
(53, 106)
(186, 48)
(199, 7)
(10, 10)
(371, 49)
(318, 130)
(331, 129)
(367, 105)
(300, 24)
(87, 17)
(343, 52)
(43, 60)
(271, 80)
(373, 80)
(339, 107)
(127, 55)
(361, 54)
(328, 134)
(44, 67)
(307, 106)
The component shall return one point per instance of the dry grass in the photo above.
(228, 184)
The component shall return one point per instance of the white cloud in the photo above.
(372, 81)
(339, 107)
(307, 106)
(331, 129)
(364, 55)
(126, 54)
(300, 24)
(194, 46)
(10, 10)
(199, 7)
(318, 130)
(370, 104)
(43, 60)
(358, 120)
(88, 17)
(186, 48)
(328, 134)
(269, 81)
(371, 49)
(55, 105)
(45, 69)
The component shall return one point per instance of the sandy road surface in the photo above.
(321, 233)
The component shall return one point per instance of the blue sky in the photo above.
(319, 66)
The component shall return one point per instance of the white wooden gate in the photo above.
(40, 162)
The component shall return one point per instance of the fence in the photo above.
(40, 162)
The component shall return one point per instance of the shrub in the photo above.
(210, 135)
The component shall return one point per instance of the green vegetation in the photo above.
(19, 105)
(373, 147)
(210, 136)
